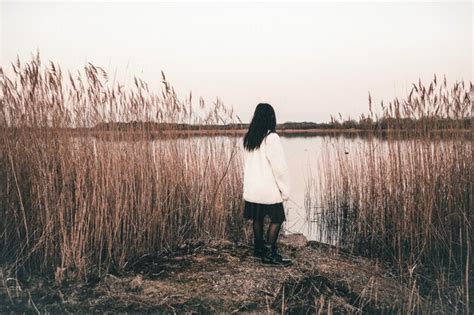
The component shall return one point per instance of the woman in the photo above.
(266, 182)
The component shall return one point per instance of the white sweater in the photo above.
(266, 174)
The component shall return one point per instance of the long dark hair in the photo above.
(263, 123)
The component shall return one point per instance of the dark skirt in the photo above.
(258, 211)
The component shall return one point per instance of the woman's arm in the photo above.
(276, 157)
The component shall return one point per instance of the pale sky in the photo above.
(309, 60)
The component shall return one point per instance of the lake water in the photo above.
(302, 154)
(305, 155)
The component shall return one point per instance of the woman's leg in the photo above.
(274, 257)
(259, 248)
(258, 229)
(272, 234)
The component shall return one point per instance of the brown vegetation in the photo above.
(408, 200)
(76, 206)
(79, 204)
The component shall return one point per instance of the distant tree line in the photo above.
(388, 123)
(361, 124)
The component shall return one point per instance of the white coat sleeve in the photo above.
(276, 156)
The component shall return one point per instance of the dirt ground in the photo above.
(219, 277)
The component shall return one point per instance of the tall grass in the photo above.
(407, 199)
(79, 205)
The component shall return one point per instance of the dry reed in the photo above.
(407, 199)
(81, 205)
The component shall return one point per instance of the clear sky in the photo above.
(309, 60)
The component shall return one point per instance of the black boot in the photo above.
(260, 249)
(274, 258)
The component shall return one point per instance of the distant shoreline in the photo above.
(144, 133)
